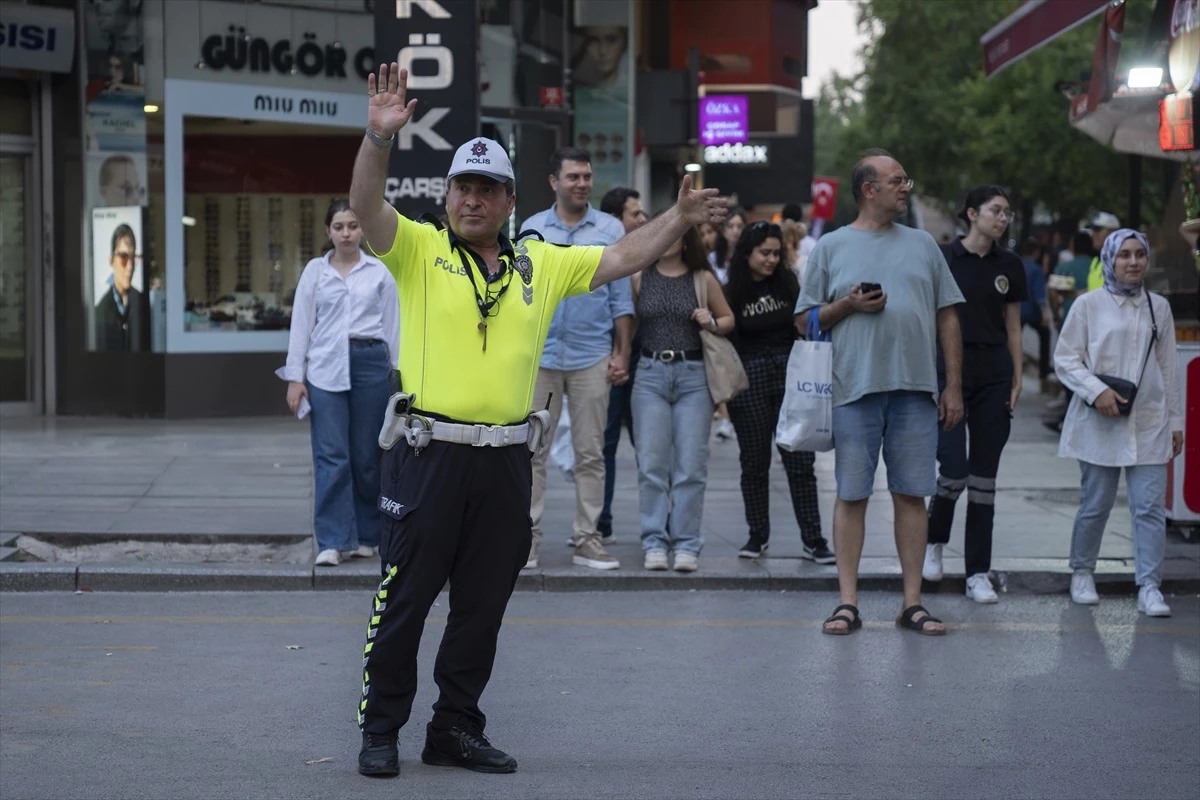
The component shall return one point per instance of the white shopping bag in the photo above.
(806, 416)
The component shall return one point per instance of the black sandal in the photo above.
(852, 623)
(905, 620)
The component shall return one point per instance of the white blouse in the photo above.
(1108, 334)
(329, 311)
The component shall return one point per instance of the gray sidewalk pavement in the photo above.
(152, 504)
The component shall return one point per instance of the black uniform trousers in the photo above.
(755, 413)
(451, 512)
(987, 385)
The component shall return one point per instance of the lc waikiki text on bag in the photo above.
(722, 366)
(806, 416)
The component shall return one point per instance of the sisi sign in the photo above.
(37, 38)
(724, 119)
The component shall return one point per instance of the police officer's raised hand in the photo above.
(701, 205)
(295, 392)
(388, 109)
(867, 302)
(1107, 403)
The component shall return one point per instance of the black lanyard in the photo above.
(486, 303)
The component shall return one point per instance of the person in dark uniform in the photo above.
(120, 316)
(992, 279)
(456, 477)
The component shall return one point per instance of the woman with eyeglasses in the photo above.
(342, 348)
(1117, 354)
(992, 279)
(762, 293)
(672, 406)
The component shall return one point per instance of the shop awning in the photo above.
(1034, 24)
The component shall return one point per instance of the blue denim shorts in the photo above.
(905, 424)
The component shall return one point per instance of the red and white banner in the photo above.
(824, 198)
(1034, 24)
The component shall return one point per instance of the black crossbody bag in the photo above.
(1129, 389)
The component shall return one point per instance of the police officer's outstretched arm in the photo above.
(645, 245)
(388, 110)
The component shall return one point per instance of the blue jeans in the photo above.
(672, 417)
(345, 444)
(620, 413)
(905, 424)
(1147, 486)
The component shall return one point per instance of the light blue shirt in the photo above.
(581, 333)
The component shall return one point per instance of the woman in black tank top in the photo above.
(672, 407)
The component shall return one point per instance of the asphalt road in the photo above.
(630, 695)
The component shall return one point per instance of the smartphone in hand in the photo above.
(868, 288)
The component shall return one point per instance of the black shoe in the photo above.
(754, 548)
(466, 747)
(819, 553)
(378, 755)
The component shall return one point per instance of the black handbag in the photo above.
(1129, 389)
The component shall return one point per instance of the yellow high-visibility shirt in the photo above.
(1096, 275)
(442, 357)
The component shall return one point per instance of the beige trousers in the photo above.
(587, 392)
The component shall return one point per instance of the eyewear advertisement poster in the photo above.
(601, 75)
(117, 298)
(116, 176)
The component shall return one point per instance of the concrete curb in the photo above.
(364, 576)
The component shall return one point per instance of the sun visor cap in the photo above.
(482, 157)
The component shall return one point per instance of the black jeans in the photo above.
(754, 414)
(451, 512)
(987, 386)
(620, 413)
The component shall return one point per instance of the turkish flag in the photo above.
(824, 197)
(1104, 61)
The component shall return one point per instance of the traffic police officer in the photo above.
(456, 477)
(992, 279)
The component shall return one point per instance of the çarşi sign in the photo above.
(756, 155)
(237, 50)
(1177, 122)
(437, 42)
(724, 118)
(36, 38)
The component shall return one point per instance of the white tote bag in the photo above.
(806, 416)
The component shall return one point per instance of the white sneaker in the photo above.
(532, 563)
(363, 551)
(686, 562)
(932, 570)
(724, 430)
(1151, 603)
(980, 589)
(655, 560)
(328, 558)
(1083, 588)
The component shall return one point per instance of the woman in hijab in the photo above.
(1116, 352)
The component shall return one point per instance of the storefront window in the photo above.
(254, 202)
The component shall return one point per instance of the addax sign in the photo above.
(435, 40)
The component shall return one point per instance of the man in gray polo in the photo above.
(587, 351)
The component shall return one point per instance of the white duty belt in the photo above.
(418, 431)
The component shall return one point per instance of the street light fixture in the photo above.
(1145, 78)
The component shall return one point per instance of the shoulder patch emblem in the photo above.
(1002, 284)
(523, 265)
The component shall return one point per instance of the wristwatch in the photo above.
(378, 140)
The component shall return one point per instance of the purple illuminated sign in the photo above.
(724, 118)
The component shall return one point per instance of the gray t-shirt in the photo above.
(896, 349)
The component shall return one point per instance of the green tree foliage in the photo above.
(923, 96)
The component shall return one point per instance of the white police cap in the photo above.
(482, 157)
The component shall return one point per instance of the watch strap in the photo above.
(378, 140)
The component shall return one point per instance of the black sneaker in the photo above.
(378, 756)
(819, 553)
(754, 548)
(466, 747)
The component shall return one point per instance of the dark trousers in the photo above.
(451, 512)
(986, 390)
(754, 414)
(620, 414)
(1044, 365)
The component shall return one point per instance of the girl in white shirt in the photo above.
(343, 346)
(1110, 332)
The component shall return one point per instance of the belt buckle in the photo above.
(490, 431)
(666, 356)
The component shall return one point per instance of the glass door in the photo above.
(17, 280)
